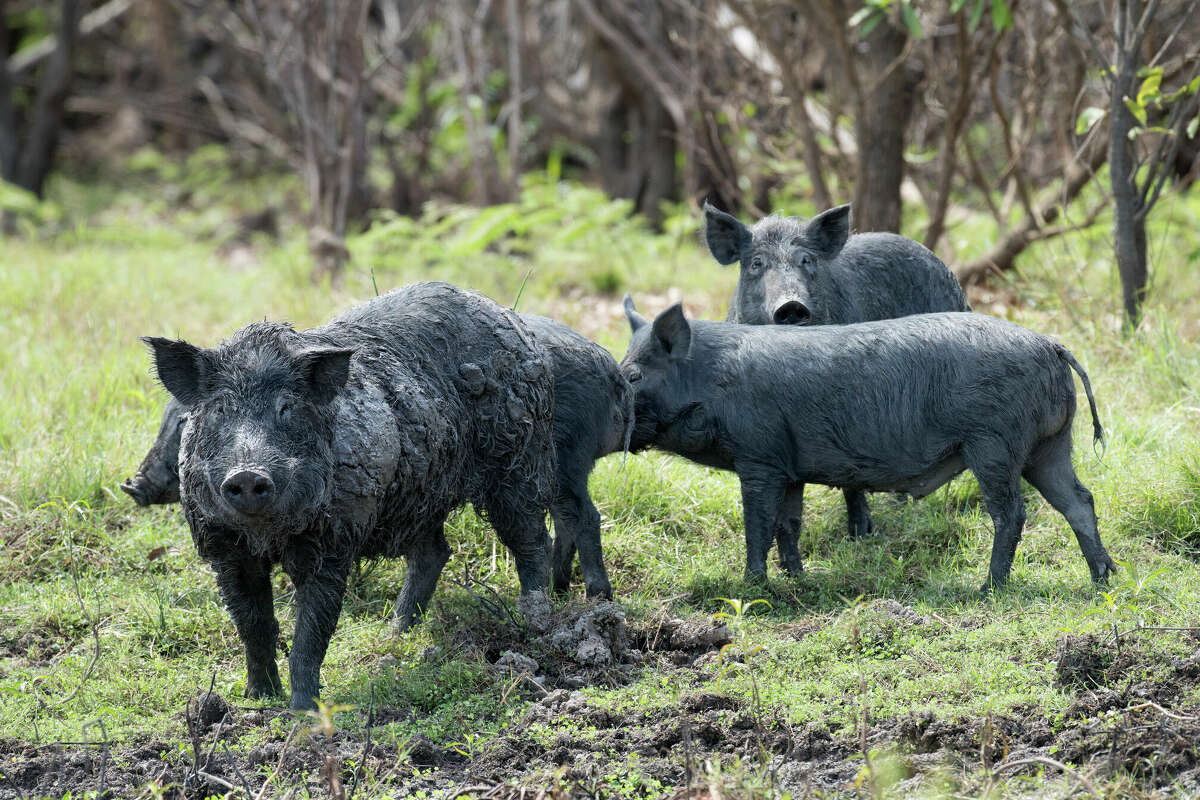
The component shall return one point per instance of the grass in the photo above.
(79, 408)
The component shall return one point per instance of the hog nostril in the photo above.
(248, 491)
(792, 312)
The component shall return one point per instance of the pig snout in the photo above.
(248, 491)
(791, 312)
(138, 488)
(150, 490)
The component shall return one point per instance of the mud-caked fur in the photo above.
(898, 405)
(797, 272)
(314, 449)
(593, 412)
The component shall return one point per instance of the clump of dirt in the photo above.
(535, 608)
(208, 709)
(596, 638)
(1082, 661)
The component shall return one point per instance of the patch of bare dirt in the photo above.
(1127, 717)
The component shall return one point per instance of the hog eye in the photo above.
(285, 409)
(633, 374)
(756, 264)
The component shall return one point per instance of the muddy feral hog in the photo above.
(313, 449)
(794, 272)
(593, 412)
(898, 405)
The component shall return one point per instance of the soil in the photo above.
(567, 744)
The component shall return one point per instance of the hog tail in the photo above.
(1097, 430)
(627, 410)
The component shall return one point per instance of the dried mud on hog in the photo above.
(568, 740)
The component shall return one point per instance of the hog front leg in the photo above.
(318, 606)
(763, 492)
(244, 583)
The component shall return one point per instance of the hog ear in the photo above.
(725, 235)
(326, 371)
(673, 332)
(826, 232)
(636, 320)
(182, 368)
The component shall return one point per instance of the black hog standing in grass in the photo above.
(593, 412)
(815, 273)
(314, 449)
(898, 405)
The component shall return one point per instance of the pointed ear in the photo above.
(636, 320)
(826, 233)
(182, 368)
(673, 332)
(726, 236)
(326, 371)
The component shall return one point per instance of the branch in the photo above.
(44, 48)
(1003, 255)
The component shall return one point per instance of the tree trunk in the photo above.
(879, 129)
(27, 166)
(1129, 225)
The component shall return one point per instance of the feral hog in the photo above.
(593, 413)
(898, 405)
(314, 449)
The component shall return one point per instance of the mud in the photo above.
(1128, 716)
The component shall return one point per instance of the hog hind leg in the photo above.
(521, 526)
(858, 513)
(577, 524)
(788, 524)
(1050, 471)
(426, 559)
(1000, 484)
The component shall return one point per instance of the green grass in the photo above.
(78, 408)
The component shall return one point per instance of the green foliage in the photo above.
(875, 11)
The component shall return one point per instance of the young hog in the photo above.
(898, 405)
(593, 410)
(816, 273)
(313, 449)
(593, 413)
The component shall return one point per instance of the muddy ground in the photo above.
(1138, 731)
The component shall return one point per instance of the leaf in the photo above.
(957, 6)
(1149, 88)
(1088, 119)
(976, 15)
(1193, 126)
(910, 20)
(1001, 16)
(870, 24)
(1139, 112)
(858, 17)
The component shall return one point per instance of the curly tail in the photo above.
(1097, 431)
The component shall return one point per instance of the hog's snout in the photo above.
(248, 491)
(793, 312)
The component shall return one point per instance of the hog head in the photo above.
(256, 454)
(784, 276)
(656, 366)
(157, 479)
